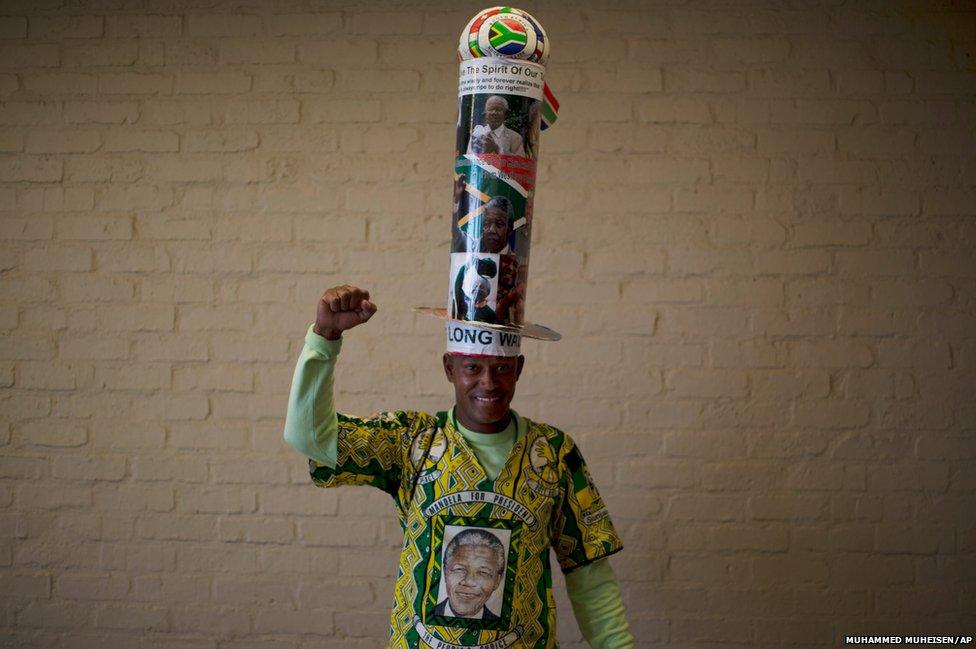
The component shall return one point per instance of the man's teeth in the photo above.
(488, 399)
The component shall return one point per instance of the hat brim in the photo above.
(526, 330)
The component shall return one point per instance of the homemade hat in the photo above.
(502, 54)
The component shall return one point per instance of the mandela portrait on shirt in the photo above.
(473, 580)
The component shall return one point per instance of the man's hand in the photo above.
(459, 188)
(341, 308)
(485, 144)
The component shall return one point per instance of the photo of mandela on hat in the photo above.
(503, 103)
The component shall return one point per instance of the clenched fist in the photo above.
(341, 308)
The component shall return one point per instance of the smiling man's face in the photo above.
(483, 389)
(472, 576)
(495, 112)
(494, 230)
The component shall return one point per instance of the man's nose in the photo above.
(489, 378)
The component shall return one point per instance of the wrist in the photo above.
(327, 332)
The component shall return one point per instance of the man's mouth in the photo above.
(488, 400)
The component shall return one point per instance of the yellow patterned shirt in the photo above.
(474, 568)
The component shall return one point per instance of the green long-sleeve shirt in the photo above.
(311, 428)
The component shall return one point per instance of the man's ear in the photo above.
(518, 370)
(449, 368)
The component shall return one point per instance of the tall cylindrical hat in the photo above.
(503, 104)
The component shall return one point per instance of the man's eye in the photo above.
(482, 573)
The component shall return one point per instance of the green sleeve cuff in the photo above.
(595, 596)
(321, 345)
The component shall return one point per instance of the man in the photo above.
(510, 304)
(478, 466)
(473, 568)
(493, 136)
(472, 289)
(497, 220)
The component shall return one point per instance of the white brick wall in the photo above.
(755, 229)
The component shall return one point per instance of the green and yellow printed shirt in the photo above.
(474, 568)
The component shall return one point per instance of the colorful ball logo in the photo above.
(504, 32)
(507, 37)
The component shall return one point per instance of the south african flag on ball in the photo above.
(504, 32)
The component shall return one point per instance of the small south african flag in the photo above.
(550, 108)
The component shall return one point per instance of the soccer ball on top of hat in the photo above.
(504, 32)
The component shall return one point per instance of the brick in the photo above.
(672, 110)
(171, 588)
(831, 233)
(133, 376)
(28, 289)
(279, 619)
(53, 433)
(788, 508)
(828, 171)
(101, 54)
(16, 113)
(307, 24)
(814, 292)
(134, 617)
(695, 260)
(56, 615)
(32, 586)
(63, 142)
(96, 288)
(256, 51)
(143, 26)
(261, 112)
(94, 228)
(207, 83)
(19, 56)
(287, 81)
(890, 202)
(806, 321)
(144, 317)
(111, 169)
(97, 586)
(339, 52)
(831, 413)
(705, 383)
(917, 112)
(19, 347)
(30, 169)
(686, 80)
(216, 25)
(141, 141)
(57, 259)
(135, 84)
(13, 27)
(70, 26)
(908, 293)
(831, 354)
(46, 85)
(392, 81)
(699, 140)
(11, 142)
(794, 141)
(134, 498)
(225, 140)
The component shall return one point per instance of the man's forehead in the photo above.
(473, 552)
(481, 358)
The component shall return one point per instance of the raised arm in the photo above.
(311, 424)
